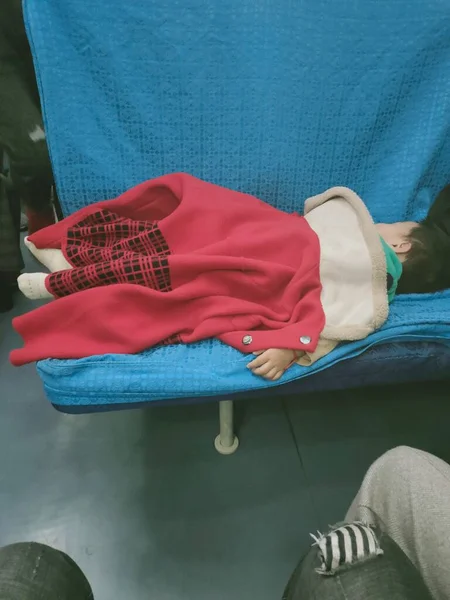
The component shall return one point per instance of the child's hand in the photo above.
(271, 364)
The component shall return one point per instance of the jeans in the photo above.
(30, 571)
(406, 492)
(387, 576)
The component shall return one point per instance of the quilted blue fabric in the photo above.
(389, 363)
(213, 369)
(279, 99)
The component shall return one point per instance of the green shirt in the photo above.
(393, 269)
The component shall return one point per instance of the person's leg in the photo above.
(30, 571)
(346, 564)
(406, 492)
(13, 27)
(10, 255)
(52, 258)
(22, 137)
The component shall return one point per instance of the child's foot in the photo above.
(51, 258)
(32, 285)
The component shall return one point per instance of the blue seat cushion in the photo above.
(277, 99)
(117, 382)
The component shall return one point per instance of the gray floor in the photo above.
(148, 509)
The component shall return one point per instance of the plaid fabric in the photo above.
(105, 249)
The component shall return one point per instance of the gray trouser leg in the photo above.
(407, 493)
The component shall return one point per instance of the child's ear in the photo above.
(402, 247)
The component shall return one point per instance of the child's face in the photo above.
(397, 236)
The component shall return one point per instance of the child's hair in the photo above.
(426, 268)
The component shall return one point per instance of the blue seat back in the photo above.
(280, 99)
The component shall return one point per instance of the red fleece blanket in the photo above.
(177, 259)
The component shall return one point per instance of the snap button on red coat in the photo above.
(305, 339)
(247, 339)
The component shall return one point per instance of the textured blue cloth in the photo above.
(278, 99)
(211, 368)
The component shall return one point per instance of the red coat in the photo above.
(211, 263)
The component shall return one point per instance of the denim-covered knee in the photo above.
(30, 570)
(354, 561)
(341, 552)
(344, 546)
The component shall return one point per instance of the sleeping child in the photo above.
(178, 260)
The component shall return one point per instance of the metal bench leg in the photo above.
(226, 442)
